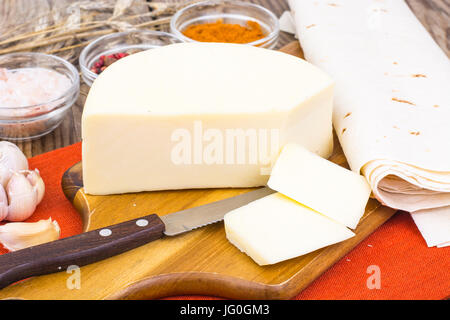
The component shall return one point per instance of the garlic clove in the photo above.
(22, 198)
(36, 181)
(19, 235)
(3, 203)
(11, 159)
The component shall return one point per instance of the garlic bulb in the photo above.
(19, 235)
(11, 159)
(3, 203)
(21, 190)
(36, 181)
(22, 198)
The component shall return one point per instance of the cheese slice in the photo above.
(320, 184)
(276, 228)
(200, 115)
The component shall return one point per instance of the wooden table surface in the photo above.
(434, 15)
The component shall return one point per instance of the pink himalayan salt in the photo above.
(30, 86)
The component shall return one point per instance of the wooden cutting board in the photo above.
(199, 262)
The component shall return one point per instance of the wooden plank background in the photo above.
(434, 15)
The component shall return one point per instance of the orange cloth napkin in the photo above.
(408, 268)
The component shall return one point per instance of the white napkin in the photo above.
(434, 225)
(392, 101)
(287, 23)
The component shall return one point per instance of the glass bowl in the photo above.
(229, 11)
(34, 121)
(127, 42)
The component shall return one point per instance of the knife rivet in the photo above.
(141, 222)
(105, 232)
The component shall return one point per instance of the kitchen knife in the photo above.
(106, 242)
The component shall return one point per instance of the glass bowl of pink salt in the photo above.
(36, 92)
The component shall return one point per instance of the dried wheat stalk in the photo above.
(67, 26)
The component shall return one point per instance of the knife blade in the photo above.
(189, 219)
(99, 244)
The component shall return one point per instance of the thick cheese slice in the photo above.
(320, 184)
(200, 115)
(276, 228)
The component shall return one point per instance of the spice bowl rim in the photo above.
(269, 38)
(73, 89)
(83, 60)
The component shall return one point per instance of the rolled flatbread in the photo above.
(392, 100)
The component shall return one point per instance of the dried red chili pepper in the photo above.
(105, 61)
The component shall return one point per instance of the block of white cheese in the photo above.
(320, 184)
(200, 115)
(276, 228)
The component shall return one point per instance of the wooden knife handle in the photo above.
(79, 250)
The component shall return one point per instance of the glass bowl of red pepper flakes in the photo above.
(106, 50)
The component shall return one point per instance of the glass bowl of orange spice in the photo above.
(226, 21)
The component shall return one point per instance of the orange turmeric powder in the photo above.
(225, 32)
